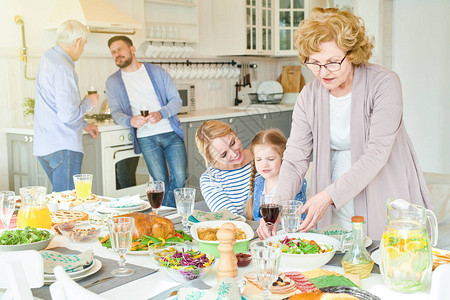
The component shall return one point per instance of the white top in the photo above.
(226, 188)
(141, 93)
(340, 154)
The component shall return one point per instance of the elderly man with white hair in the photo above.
(59, 109)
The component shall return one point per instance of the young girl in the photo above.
(267, 149)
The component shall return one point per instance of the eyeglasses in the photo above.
(331, 66)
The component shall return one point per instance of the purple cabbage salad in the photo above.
(186, 260)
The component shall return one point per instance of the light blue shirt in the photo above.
(59, 110)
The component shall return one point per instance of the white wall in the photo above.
(421, 48)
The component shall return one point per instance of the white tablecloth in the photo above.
(158, 282)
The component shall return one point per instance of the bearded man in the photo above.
(158, 136)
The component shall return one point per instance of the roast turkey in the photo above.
(151, 224)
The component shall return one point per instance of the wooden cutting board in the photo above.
(291, 79)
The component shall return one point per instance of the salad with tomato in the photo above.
(301, 246)
(145, 241)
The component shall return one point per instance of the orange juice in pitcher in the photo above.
(33, 212)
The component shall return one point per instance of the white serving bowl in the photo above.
(210, 247)
(306, 262)
(30, 246)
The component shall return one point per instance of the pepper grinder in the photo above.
(227, 266)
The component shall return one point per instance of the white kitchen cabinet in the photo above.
(243, 27)
(288, 14)
(258, 27)
(26, 170)
(171, 21)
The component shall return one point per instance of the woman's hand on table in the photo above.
(315, 208)
(263, 229)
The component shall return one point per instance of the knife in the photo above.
(196, 283)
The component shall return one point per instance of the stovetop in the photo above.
(98, 117)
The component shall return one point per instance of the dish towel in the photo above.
(223, 214)
(132, 201)
(70, 263)
(226, 289)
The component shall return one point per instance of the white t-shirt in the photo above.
(340, 153)
(141, 92)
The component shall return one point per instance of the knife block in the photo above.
(227, 266)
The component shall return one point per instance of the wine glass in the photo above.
(121, 233)
(145, 109)
(269, 210)
(92, 90)
(290, 215)
(185, 199)
(7, 205)
(266, 264)
(155, 194)
(83, 186)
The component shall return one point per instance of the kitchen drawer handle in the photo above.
(231, 120)
(122, 150)
(190, 125)
(265, 117)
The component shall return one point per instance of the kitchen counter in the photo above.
(197, 115)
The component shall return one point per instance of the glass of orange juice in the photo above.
(83, 186)
(33, 211)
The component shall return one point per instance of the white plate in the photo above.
(109, 210)
(269, 87)
(96, 267)
(71, 274)
(376, 256)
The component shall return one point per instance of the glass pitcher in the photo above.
(33, 211)
(406, 258)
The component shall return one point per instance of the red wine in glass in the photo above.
(144, 113)
(155, 197)
(270, 213)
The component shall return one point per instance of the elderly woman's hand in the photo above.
(315, 206)
(263, 229)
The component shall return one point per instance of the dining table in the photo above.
(151, 280)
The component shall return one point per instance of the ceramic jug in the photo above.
(406, 258)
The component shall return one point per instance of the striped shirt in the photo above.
(226, 188)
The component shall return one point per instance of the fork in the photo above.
(98, 282)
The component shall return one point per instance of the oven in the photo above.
(124, 172)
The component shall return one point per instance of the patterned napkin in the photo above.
(226, 289)
(223, 214)
(132, 201)
(70, 263)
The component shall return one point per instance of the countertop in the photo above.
(197, 115)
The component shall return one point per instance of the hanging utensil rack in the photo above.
(190, 63)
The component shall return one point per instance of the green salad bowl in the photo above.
(210, 247)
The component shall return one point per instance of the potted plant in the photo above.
(28, 104)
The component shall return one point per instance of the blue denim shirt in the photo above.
(59, 110)
(165, 90)
(258, 190)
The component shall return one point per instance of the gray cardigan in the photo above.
(384, 164)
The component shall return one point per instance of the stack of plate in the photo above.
(88, 270)
(106, 208)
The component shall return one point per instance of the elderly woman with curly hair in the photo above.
(350, 119)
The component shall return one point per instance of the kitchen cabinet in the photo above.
(259, 27)
(26, 170)
(171, 21)
(243, 27)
